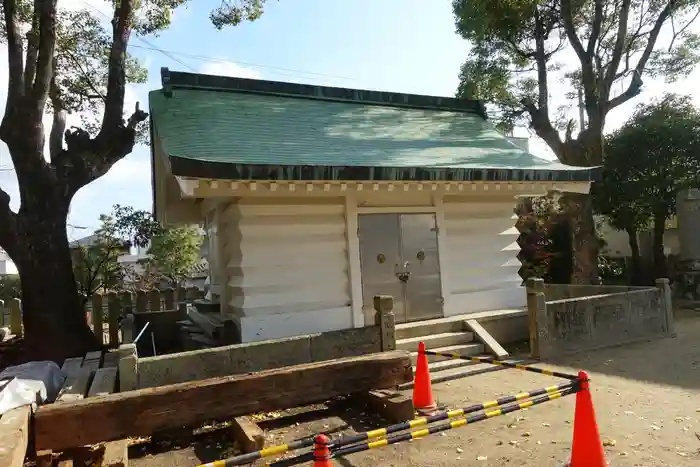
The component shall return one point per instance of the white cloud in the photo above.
(223, 68)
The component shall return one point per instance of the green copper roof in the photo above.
(212, 130)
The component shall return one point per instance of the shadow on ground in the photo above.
(215, 441)
(670, 361)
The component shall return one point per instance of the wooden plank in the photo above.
(94, 355)
(116, 454)
(72, 365)
(76, 385)
(104, 382)
(487, 339)
(111, 360)
(145, 411)
(14, 436)
(248, 434)
(91, 365)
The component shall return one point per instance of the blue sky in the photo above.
(396, 45)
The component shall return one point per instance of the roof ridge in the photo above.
(186, 80)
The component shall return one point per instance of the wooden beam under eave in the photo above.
(145, 411)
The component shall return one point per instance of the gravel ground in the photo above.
(645, 395)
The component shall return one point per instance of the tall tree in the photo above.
(521, 48)
(65, 62)
(95, 264)
(175, 252)
(648, 162)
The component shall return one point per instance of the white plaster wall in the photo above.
(482, 253)
(286, 267)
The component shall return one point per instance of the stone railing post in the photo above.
(15, 307)
(385, 319)
(664, 286)
(128, 367)
(535, 288)
(114, 310)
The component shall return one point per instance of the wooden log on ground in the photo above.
(248, 434)
(14, 436)
(146, 411)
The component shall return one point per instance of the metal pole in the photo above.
(422, 421)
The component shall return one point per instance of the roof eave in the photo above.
(185, 167)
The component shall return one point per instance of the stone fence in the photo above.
(103, 312)
(566, 319)
(138, 373)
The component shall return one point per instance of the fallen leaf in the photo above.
(609, 442)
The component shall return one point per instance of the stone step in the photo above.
(429, 327)
(467, 350)
(435, 340)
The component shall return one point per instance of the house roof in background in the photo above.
(234, 128)
(90, 240)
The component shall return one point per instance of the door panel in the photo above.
(379, 258)
(419, 251)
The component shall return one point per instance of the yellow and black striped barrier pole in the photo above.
(380, 432)
(493, 361)
(471, 419)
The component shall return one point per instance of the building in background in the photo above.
(7, 267)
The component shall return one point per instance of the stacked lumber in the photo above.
(146, 411)
(91, 376)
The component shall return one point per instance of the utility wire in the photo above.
(173, 56)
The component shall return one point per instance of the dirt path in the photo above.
(647, 398)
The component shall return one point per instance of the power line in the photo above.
(172, 55)
(232, 62)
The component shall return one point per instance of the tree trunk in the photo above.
(636, 273)
(658, 247)
(53, 315)
(584, 243)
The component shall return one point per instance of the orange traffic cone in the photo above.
(422, 389)
(587, 447)
(322, 453)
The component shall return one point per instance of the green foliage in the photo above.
(233, 12)
(83, 46)
(10, 287)
(648, 161)
(519, 50)
(175, 252)
(95, 265)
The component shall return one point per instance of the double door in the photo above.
(399, 257)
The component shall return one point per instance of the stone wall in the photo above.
(264, 355)
(598, 320)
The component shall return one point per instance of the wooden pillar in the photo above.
(385, 319)
(15, 307)
(664, 286)
(535, 288)
(97, 317)
(114, 309)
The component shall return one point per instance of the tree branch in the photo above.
(586, 59)
(9, 237)
(543, 127)
(541, 61)
(636, 84)
(116, 78)
(618, 49)
(58, 124)
(32, 54)
(596, 27)
(15, 69)
(47, 43)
